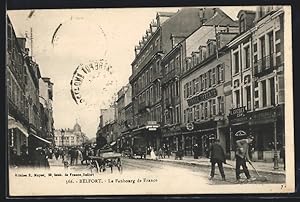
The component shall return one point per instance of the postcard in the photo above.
(161, 100)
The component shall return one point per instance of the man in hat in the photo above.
(217, 155)
(242, 156)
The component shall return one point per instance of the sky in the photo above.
(63, 39)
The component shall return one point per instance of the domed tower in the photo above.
(77, 128)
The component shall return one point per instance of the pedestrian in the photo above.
(242, 156)
(217, 156)
(152, 154)
(196, 151)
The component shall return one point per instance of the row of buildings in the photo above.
(29, 98)
(199, 75)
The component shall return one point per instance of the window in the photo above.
(262, 48)
(197, 85)
(209, 78)
(237, 98)
(213, 76)
(248, 97)
(264, 93)
(201, 82)
(205, 110)
(194, 87)
(197, 112)
(176, 88)
(177, 114)
(220, 73)
(205, 81)
(185, 91)
(272, 91)
(247, 57)
(271, 43)
(242, 24)
(167, 68)
(213, 107)
(202, 111)
(236, 62)
(220, 104)
(184, 116)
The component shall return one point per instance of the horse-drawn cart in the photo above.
(106, 159)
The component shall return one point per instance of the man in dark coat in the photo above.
(217, 155)
(242, 156)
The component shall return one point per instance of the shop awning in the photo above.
(13, 123)
(42, 139)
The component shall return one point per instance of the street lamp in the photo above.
(62, 137)
(276, 166)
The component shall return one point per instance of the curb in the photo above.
(208, 165)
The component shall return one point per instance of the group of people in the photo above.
(74, 155)
(217, 156)
(161, 153)
(36, 157)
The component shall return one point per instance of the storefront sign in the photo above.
(264, 116)
(237, 112)
(202, 97)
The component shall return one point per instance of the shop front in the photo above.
(267, 127)
(199, 136)
(172, 138)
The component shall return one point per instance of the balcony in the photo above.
(264, 66)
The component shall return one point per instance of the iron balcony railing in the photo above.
(264, 66)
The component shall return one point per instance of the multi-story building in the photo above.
(205, 85)
(70, 137)
(46, 99)
(146, 68)
(18, 120)
(124, 114)
(108, 126)
(257, 79)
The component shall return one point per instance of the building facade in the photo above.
(46, 99)
(147, 73)
(258, 80)
(70, 137)
(18, 118)
(182, 80)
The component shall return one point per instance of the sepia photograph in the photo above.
(150, 101)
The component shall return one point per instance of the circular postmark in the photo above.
(92, 82)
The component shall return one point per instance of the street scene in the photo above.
(193, 93)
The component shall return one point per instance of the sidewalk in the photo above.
(202, 161)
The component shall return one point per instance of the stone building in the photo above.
(147, 73)
(70, 137)
(258, 80)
